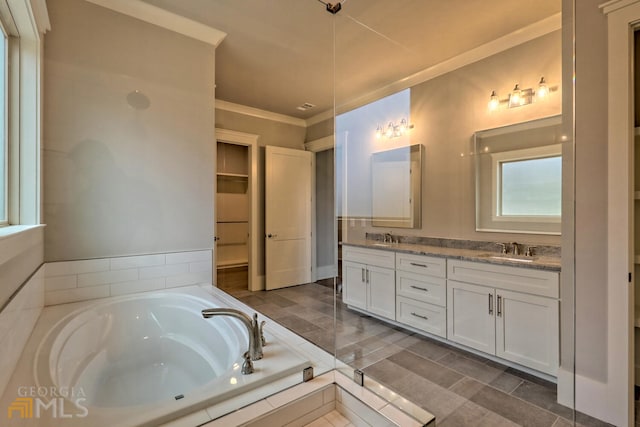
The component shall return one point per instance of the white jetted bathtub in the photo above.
(143, 359)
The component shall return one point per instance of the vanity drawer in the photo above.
(527, 280)
(432, 290)
(377, 257)
(421, 264)
(426, 317)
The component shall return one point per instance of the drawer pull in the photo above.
(499, 306)
(415, 264)
(419, 288)
(419, 315)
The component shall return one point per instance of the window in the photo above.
(4, 145)
(519, 177)
(531, 187)
(22, 26)
(527, 184)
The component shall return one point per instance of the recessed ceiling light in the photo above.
(306, 106)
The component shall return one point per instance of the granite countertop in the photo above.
(549, 263)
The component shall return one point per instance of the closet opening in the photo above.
(233, 209)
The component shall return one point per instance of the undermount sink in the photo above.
(507, 257)
(381, 244)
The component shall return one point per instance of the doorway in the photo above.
(235, 252)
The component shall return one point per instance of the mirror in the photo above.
(519, 177)
(396, 178)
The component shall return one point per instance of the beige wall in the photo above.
(118, 180)
(447, 110)
(270, 133)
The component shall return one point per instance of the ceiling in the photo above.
(279, 54)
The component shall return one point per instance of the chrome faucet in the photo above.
(255, 329)
(388, 237)
(516, 248)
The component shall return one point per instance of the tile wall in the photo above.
(17, 320)
(71, 281)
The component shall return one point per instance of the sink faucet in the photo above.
(516, 248)
(255, 329)
(388, 238)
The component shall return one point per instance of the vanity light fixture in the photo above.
(393, 130)
(519, 97)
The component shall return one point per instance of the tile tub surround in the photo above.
(472, 253)
(332, 396)
(72, 281)
(17, 320)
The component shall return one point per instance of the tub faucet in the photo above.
(255, 329)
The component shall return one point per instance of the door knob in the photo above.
(271, 235)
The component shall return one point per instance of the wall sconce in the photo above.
(393, 130)
(519, 97)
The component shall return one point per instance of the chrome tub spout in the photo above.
(255, 329)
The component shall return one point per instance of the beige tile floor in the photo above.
(460, 388)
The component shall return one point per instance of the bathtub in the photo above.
(142, 360)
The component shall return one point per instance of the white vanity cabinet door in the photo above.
(470, 315)
(354, 285)
(527, 330)
(381, 291)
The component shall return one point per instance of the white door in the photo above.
(288, 216)
(381, 291)
(470, 315)
(354, 286)
(527, 330)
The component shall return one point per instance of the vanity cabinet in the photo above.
(509, 312)
(421, 293)
(368, 280)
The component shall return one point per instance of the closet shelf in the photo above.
(231, 175)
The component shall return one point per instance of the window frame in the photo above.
(6, 171)
(497, 160)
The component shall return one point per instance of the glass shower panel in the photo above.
(428, 312)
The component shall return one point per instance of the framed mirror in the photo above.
(396, 186)
(519, 177)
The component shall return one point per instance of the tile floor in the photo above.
(459, 388)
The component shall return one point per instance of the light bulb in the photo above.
(515, 98)
(494, 102)
(379, 132)
(403, 126)
(543, 89)
(390, 131)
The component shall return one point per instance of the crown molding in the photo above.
(228, 135)
(162, 18)
(258, 113)
(320, 117)
(613, 5)
(320, 144)
(511, 40)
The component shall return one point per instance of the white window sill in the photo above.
(12, 230)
